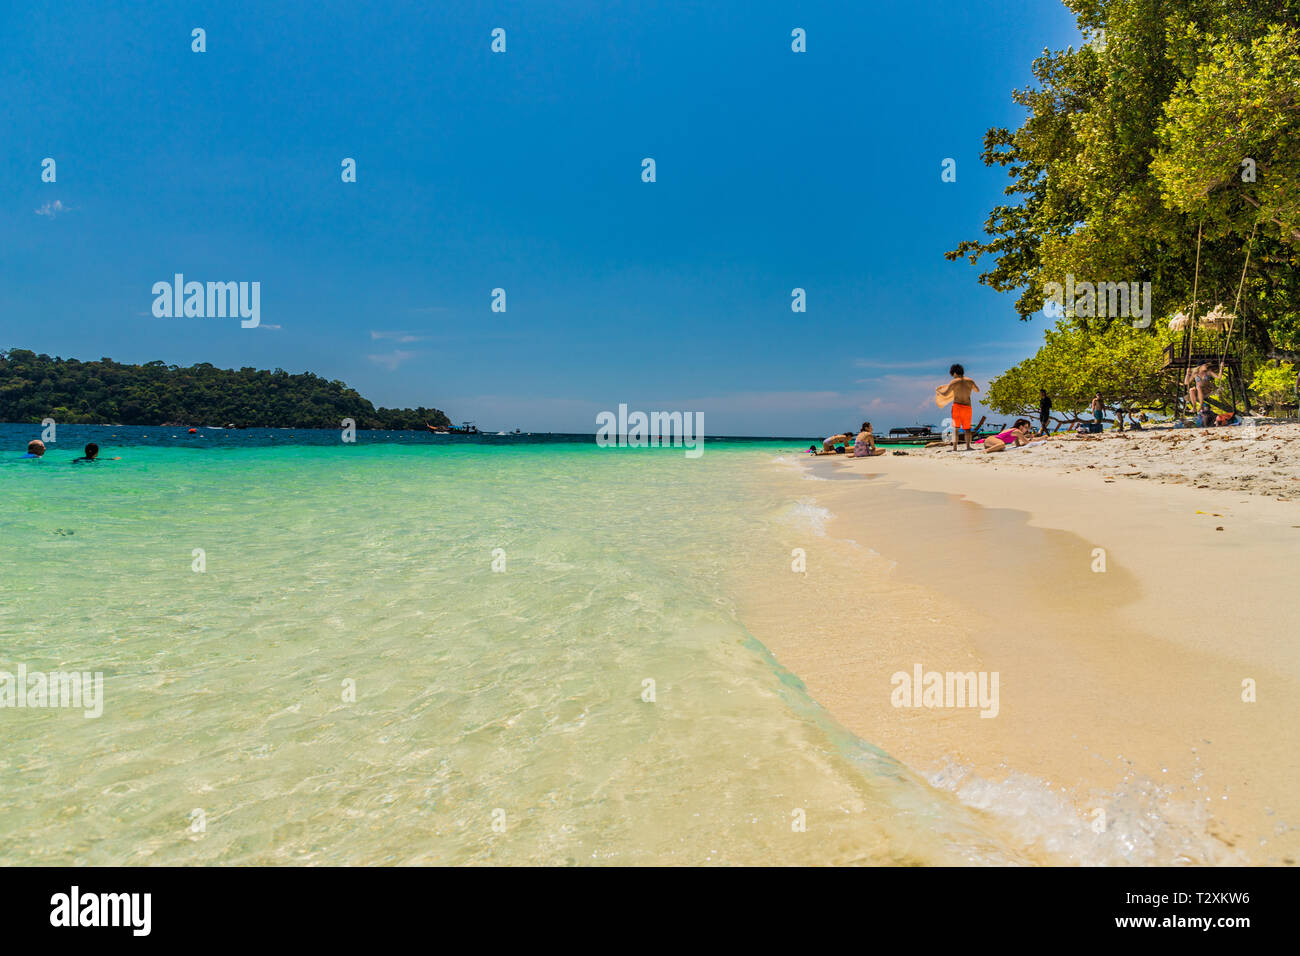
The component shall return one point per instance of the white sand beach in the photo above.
(1263, 460)
(1136, 595)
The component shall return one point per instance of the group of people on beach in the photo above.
(861, 443)
(36, 449)
(958, 391)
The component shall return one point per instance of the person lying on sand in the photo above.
(843, 438)
(1017, 434)
(958, 391)
(864, 446)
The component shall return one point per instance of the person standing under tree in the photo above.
(1044, 410)
(1098, 411)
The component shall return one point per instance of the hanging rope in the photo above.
(1196, 284)
(1240, 285)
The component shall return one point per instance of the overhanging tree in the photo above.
(1075, 363)
(1135, 140)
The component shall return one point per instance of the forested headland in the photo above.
(34, 387)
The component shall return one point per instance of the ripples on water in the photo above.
(512, 697)
(517, 694)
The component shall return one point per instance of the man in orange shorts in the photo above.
(958, 391)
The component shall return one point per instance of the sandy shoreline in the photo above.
(1121, 690)
(1264, 460)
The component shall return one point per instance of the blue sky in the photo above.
(522, 171)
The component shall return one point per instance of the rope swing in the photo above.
(1232, 324)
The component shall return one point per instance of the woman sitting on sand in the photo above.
(1017, 434)
(864, 446)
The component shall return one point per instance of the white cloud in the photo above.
(923, 363)
(401, 337)
(390, 360)
(52, 209)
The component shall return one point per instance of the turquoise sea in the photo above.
(348, 679)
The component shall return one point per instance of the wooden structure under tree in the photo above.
(1200, 346)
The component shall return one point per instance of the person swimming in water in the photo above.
(92, 454)
(35, 448)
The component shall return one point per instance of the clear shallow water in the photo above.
(477, 692)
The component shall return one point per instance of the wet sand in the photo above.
(1121, 734)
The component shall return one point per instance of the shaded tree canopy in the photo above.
(1120, 363)
(34, 387)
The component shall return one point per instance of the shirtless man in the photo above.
(958, 392)
(1098, 408)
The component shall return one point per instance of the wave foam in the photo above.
(807, 514)
(1140, 825)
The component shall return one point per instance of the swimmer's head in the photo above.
(36, 447)
(92, 450)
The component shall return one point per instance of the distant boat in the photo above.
(467, 428)
(909, 435)
(923, 434)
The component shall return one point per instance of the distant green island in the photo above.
(34, 387)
